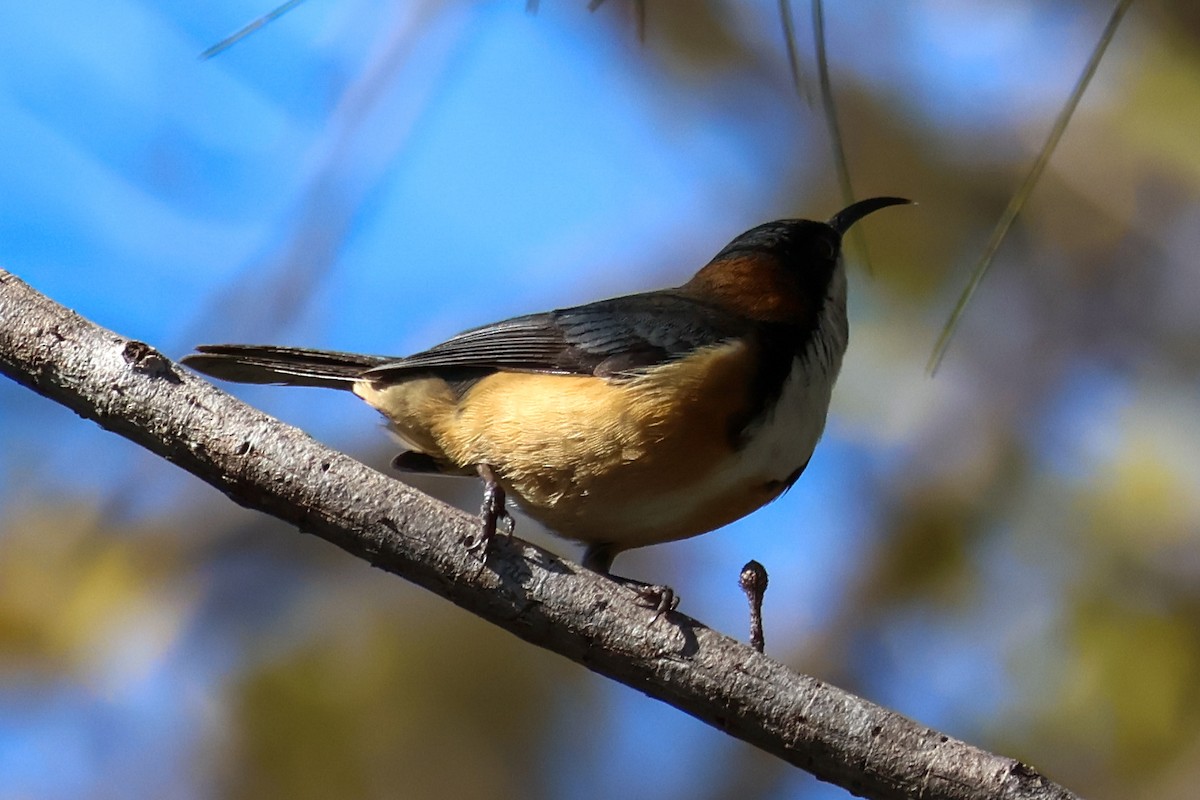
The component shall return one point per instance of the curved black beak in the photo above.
(842, 220)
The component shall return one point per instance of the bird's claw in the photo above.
(506, 524)
(661, 599)
(492, 515)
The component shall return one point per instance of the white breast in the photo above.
(786, 438)
(783, 440)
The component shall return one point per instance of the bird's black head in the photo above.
(781, 271)
(805, 240)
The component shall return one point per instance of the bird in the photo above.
(625, 422)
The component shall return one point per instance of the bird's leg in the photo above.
(660, 599)
(492, 512)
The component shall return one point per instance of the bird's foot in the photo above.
(659, 599)
(492, 514)
(599, 558)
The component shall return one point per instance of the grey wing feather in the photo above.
(605, 338)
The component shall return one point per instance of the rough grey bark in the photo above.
(128, 387)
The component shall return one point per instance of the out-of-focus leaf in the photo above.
(70, 590)
(437, 703)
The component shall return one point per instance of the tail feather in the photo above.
(290, 366)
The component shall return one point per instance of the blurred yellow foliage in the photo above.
(75, 593)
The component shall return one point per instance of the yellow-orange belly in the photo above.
(647, 459)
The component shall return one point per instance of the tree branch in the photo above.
(131, 389)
